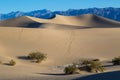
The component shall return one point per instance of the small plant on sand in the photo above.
(0, 62)
(93, 66)
(71, 69)
(37, 56)
(12, 62)
(85, 62)
(96, 66)
(116, 61)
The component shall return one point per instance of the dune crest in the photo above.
(86, 20)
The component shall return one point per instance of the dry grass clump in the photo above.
(37, 56)
(116, 61)
(71, 69)
(12, 62)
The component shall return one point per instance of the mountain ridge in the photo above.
(109, 12)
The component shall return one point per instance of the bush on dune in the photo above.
(71, 69)
(92, 65)
(96, 66)
(116, 61)
(37, 56)
(12, 62)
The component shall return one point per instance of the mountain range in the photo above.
(109, 12)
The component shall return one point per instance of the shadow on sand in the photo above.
(51, 74)
(7, 64)
(23, 57)
(109, 65)
(115, 75)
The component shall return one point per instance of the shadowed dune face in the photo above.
(103, 76)
(20, 22)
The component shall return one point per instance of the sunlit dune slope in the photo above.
(63, 38)
(82, 21)
(88, 20)
(61, 46)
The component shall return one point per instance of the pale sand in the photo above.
(62, 46)
(87, 20)
(101, 43)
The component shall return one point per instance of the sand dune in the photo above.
(31, 22)
(20, 22)
(64, 39)
(70, 44)
(86, 20)
(73, 43)
(82, 21)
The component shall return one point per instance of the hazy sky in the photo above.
(29, 5)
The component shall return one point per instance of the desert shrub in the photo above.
(116, 61)
(37, 56)
(92, 66)
(70, 69)
(85, 65)
(12, 62)
(85, 62)
(96, 66)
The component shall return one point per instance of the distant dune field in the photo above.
(64, 39)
